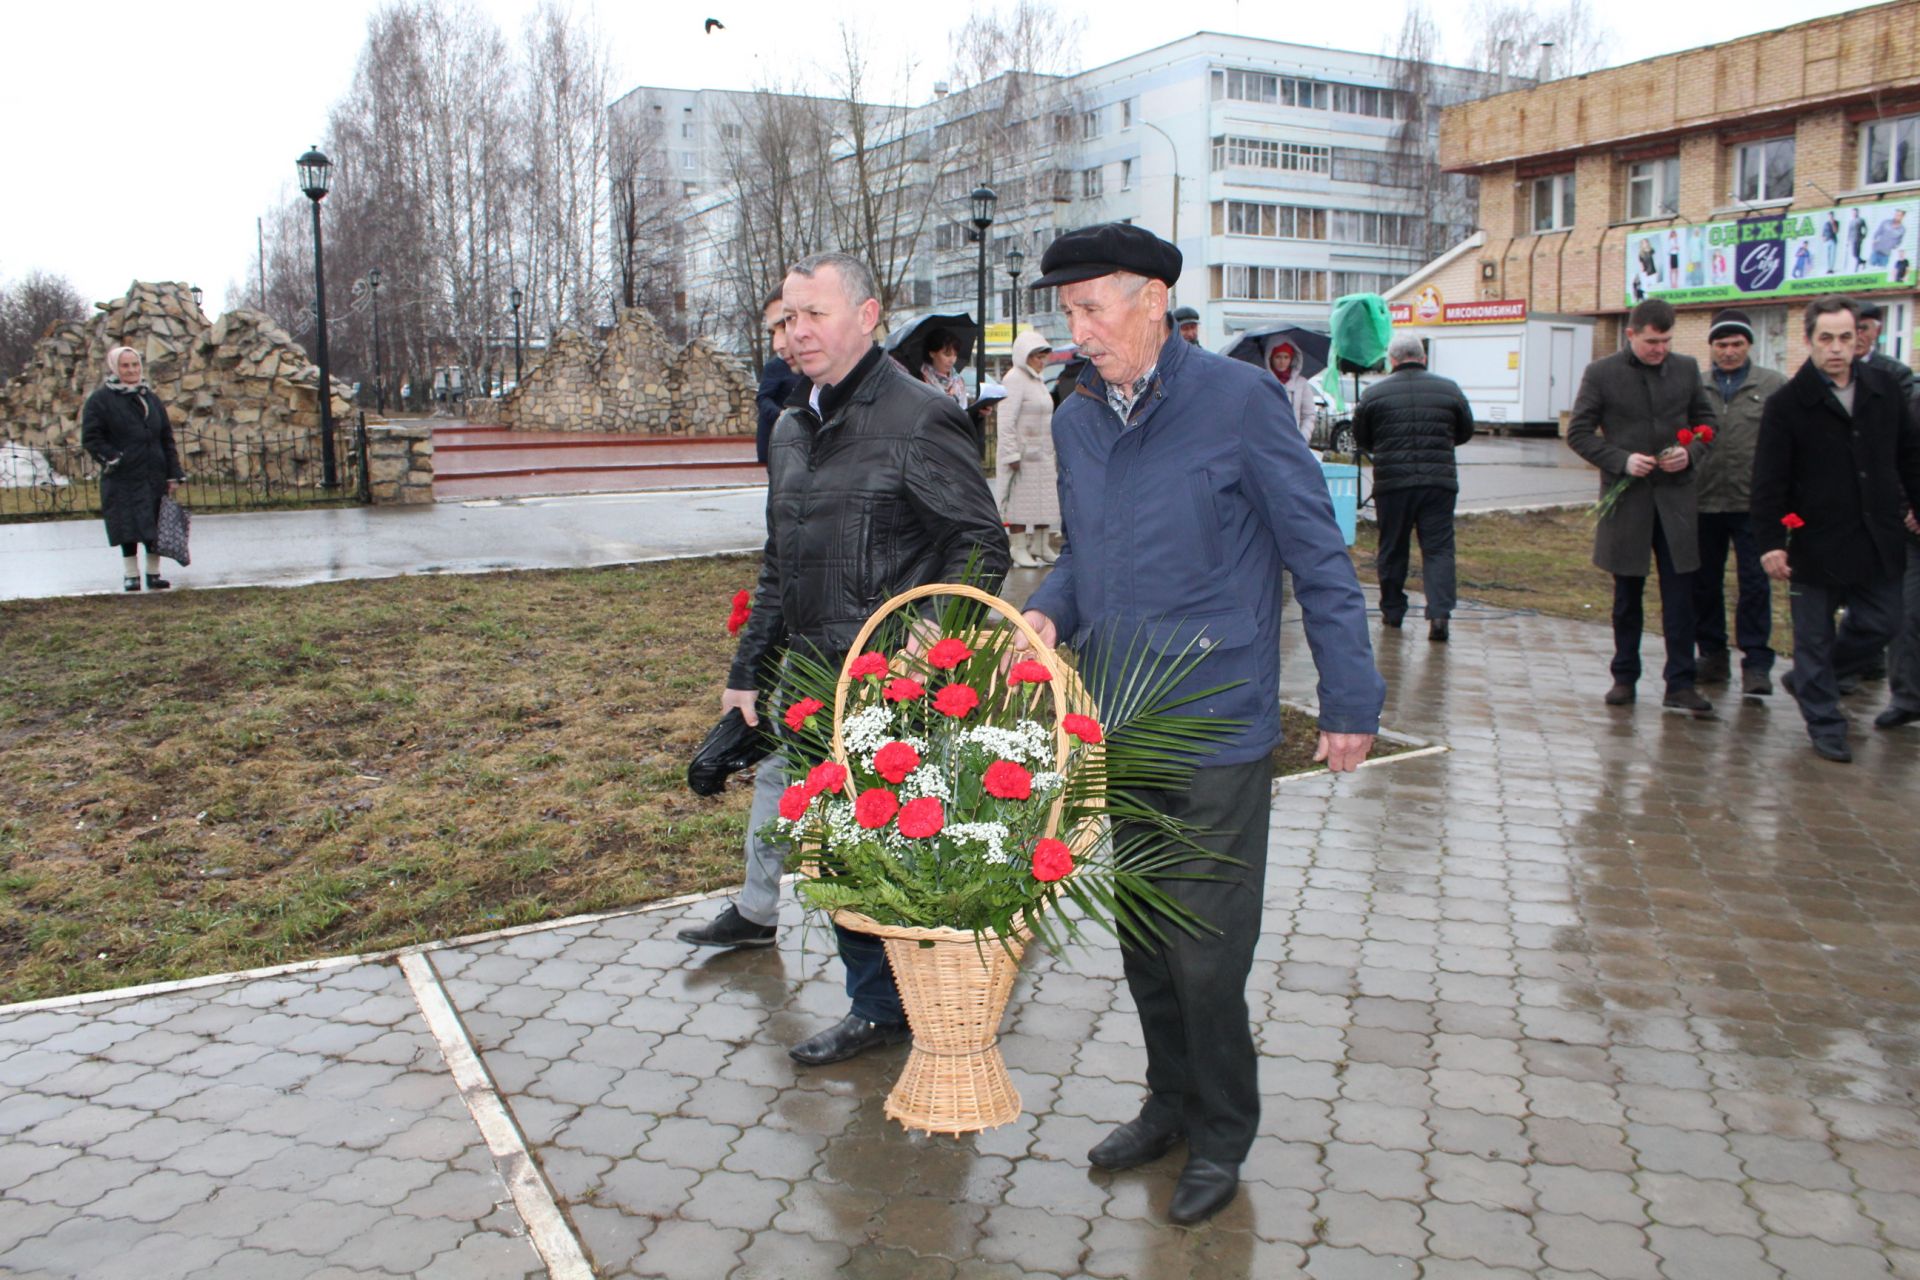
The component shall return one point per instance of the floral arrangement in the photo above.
(741, 611)
(957, 796)
(1611, 498)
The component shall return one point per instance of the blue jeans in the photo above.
(1753, 608)
(869, 980)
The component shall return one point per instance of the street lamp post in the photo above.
(316, 174)
(379, 379)
(983, 201)
(195, 291)
(513, 299)
(1016, 262)
(1173, 229)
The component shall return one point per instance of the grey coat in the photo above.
(1626, 407)
(1726, 476)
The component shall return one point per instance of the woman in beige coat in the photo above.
(1029, 498)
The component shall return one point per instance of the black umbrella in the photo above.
(908, 343)
(1256, 345)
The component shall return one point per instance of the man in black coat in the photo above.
(1837, 467)
(1411, 421)
(1903, 666)
(777, 378)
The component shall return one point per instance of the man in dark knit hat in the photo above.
(1185, 490)
(1738, 390)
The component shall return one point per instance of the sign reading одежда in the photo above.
(1776, 254)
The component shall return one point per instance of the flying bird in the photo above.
(714, 24)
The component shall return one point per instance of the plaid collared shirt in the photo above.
(1122, 400)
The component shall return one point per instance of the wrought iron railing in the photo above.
(228, 469)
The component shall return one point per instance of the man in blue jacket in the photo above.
(1185, 489)
(777, 378)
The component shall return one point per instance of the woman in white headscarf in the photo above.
(125, 427)
(1030, 502)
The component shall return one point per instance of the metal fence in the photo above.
(228, 469)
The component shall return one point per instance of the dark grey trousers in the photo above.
(1903, 656)
(1202, 1070)
(1425, 512)
(1823, 653)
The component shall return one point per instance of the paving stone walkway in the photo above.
(1597, 993)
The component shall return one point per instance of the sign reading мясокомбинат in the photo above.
(1777, 254)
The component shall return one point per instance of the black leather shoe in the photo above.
(1437, 630)
(1687, 699)
(157, 583)
(129, 584)
(1390, 622)
(1894, 717)
(1713, 668)
(1204, 1189)
(1621, 695)
(729, 929)
(850, 1036)
(1756, 684)
(1134, 1143)
(1834, 749)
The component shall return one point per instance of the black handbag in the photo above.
(733, 745)
(176, 522)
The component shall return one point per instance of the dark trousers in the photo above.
(1903, 656)
(1192, 991)
(1427, 511)
(1822, 653)
(869, 979)
(1676, 619)
(1753, 607)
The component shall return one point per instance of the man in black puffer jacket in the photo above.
(1411, 421)
(873, 486)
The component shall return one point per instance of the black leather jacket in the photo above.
(885, 494)
(1411, 421)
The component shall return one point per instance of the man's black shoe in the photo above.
(1848, 685)
(1621, 695)
(1687, 699)
(730, 929)
(1756, 684)
(1385, 621)
(1894, 717)
(1204, 1189)
(1136, 1142)
(1834, 749)
(1437, 630)
(1713, 668)
(850, 1036)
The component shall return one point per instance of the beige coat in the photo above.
(1025, 460)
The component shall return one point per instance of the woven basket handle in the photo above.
(1041, 652)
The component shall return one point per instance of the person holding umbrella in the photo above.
(941, 369)
(1284, 360)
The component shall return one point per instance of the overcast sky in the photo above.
(143, 140)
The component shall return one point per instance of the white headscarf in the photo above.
(113, 372)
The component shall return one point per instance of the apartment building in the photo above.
(1755, 173)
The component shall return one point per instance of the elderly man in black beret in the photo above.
(1185, 490)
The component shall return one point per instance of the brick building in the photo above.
(1755, 173)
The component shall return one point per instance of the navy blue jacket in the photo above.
(1176, 530)
(777, 381)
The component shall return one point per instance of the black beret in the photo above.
(1183, 315)
(1866, 309)
(1101, 250)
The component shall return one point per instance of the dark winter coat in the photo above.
(1849, 478)
(1411, 421)
(1626, 407)
(1726, 473)
(885, 494)
(777, 380)
(1900, 373)
(129, 435)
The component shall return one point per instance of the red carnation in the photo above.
(1052, 860)
(1686, 435)
(901, 689)
(826, 776)
(1029, 672)
(742, 607)
(956, 700)
(922, 818)
(1793, 521)
(895, 761)
(875, 808)
(868, 664)
(800, 712)
(1085, 728)
(1008, 781)
(794, 801)
(1703, 434)
(948, 654)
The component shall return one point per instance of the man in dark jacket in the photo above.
(1867, 347)
(1626, 421)
(872, 487)
(777, 378)
(1838, 465)
(1738, 389)
(1411, 421)
(1185, 488)
(1903, 673)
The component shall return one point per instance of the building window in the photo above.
(1245, 86)
(1269, 284)
(686, 128)
(731, 132)
(1298, 158)
(955, 286)
(1126, 113)
(1553, 202)
(1245, 153)
(1092, 182)
(1090, 124)
(1346, 282)
(1890, 152)
(1653, 188)
(1764, 171)
(1359, 100)
(1126, 175)
(1272, 221)
(1357, 226)
(1303, 93)
(686, 159)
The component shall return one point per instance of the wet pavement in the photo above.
(1508, 473)
(1595, 993)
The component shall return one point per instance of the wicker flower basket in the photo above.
(953, 984)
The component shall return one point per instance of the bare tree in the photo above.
(1540, 41)
(1445, 204)
(644, 217)
(29, 307)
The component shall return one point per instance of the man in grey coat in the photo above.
(1626, 421)
(1738, 389)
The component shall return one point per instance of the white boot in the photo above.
(1022, 551)
(1043, 545)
